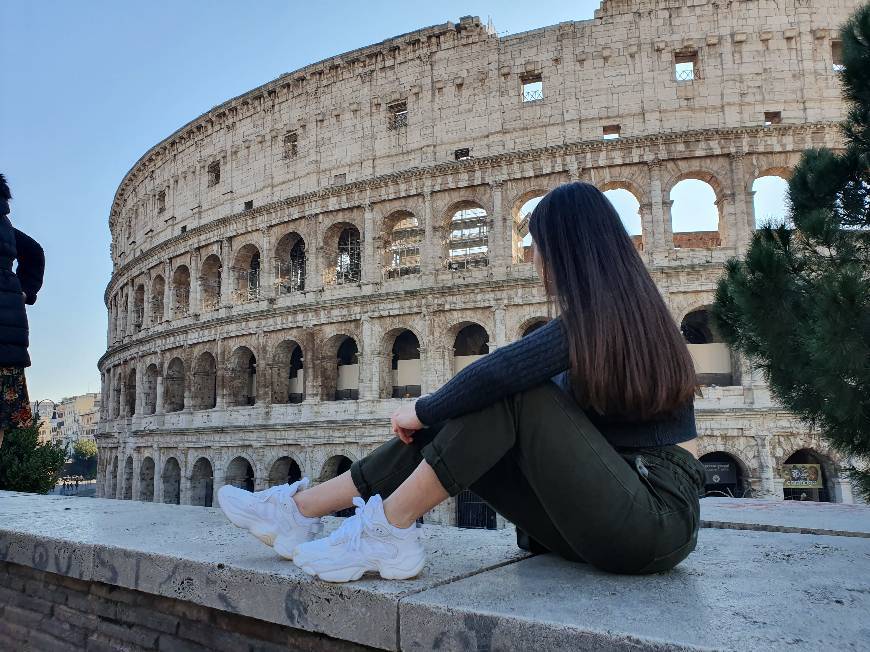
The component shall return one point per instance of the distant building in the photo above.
(44, 411)
(76, 418)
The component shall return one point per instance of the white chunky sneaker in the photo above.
(271, 515)
(364, 542)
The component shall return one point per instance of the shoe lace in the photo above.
(266, 494)
(351, 530)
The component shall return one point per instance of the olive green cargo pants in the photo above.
(537, 460)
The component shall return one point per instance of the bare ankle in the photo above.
(302, 505)
(401, 521)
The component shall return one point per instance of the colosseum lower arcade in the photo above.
(297, 262)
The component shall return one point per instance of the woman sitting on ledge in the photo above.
(570, 433)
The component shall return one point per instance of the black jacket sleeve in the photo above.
(31, 265)
(512, 368)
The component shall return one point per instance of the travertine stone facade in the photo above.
(338, 202)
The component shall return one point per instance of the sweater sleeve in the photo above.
(512, 368)
(31, 265)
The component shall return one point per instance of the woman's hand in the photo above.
(405, 423)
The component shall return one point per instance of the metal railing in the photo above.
(533, 95)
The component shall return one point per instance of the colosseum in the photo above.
(292, 265)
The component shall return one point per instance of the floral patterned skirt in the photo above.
(14, 403)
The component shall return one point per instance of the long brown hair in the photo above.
(628, 358)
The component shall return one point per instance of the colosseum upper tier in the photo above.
(293, 264)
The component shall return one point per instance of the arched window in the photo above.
(171, 482)
(403, 236)
(290, 264)
(131, 392)
(128, 479)
(181, 290)
(711, 355)
(695, 215)
(138, 307)
(113, 480)
(202, 483)
(805, 478)
(146, 480)
(468, 242)
(240, 474)
(205, 382)
(724, 475)
(173, 386)
(348, 265)
(247, 274)
(347, 382)
(405, 367)
(158, 289)
(243, 377)
(628, 208)
(770, 201)
(149, 391)
(471, 343)
(284, 470)
(288, 383)
(522, 239)
(210, 282)
(535, 325)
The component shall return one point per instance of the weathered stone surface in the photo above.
(194, 554)
(737, 591)
(786, 516)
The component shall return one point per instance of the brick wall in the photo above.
(44, 611)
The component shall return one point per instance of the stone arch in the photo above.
(205, 381)
(727, 473)
(400, 371)
(146, 480)
(806, 455)
(242, 377)
(202, 483)
(128, 479)
(340, 368)
(530, 325)
(158, 291)
(149, 389)
(246, 273)
(174, 385)
(131, 392)
(240, 473)
(138, 307)
(770, 199)
(210, 282)
(467, 226)
(181, 290)
(711, 356)
(113, 484)
(470, 342)
(704, 191)
(288, 373)
(334, 466)
(401, 239)
(171, 477)
(284, 470)
(521, 212)
(626, 199)
(342, 246)
(290, 263)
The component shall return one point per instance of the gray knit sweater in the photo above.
(540, 357)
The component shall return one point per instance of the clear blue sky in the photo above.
(89, 86)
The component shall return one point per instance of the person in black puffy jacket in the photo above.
(17, 288)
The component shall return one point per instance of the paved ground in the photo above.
(740, 589)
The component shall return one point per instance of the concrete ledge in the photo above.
(740, 589)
